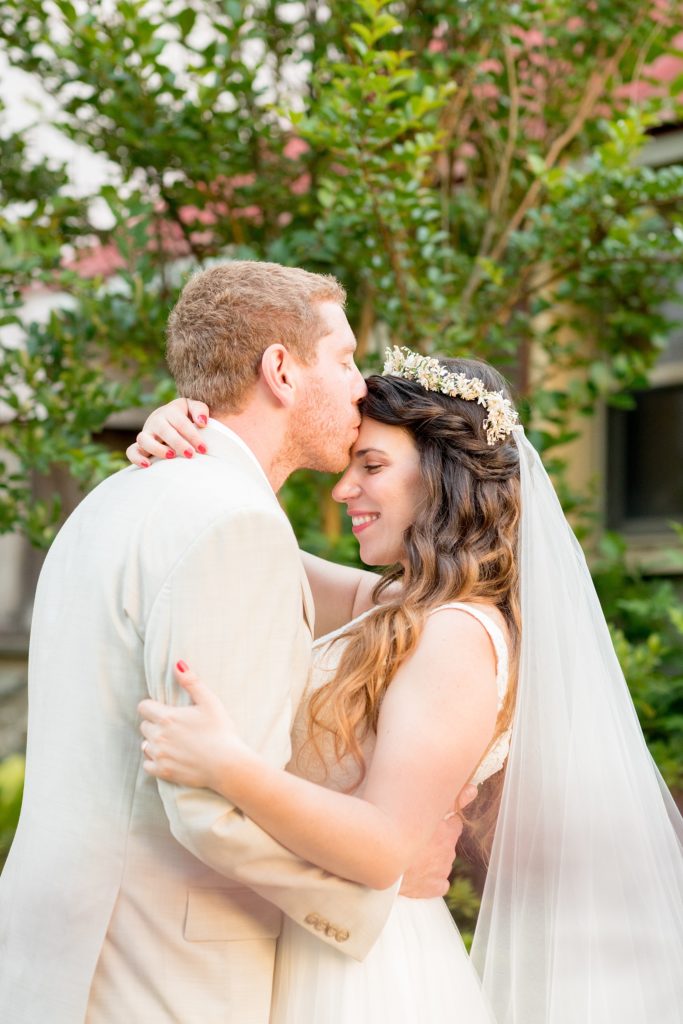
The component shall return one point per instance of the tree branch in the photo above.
(594, 90)
(502, 182)
(660, 258)
(450, 116)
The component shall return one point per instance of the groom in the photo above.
(128, 900)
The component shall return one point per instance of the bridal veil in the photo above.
(582, 912)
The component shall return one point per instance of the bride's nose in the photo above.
(346, 488)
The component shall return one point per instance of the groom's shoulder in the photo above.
(143, 521)
(180, 496)
(230, 483)
(202, 486)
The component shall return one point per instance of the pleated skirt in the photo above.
(418, 972)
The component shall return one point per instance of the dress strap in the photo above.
(497, 639)
(329, 637)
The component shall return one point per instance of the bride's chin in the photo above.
(366, 556)
(370, 556)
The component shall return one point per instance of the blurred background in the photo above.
(495, 180)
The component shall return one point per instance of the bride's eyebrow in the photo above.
(366, 451)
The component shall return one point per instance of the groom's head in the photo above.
(247, 332)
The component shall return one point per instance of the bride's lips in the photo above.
(361, 520)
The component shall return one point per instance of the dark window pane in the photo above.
(646, 459)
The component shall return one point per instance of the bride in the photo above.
(483, 657)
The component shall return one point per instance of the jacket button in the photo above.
(342, 935)
(312, 919)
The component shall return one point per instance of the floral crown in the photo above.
(501, 417)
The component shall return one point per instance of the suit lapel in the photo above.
(309, 607)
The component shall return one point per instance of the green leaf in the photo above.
(185, 20)
(536, 164)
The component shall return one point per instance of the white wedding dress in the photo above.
(418, 971)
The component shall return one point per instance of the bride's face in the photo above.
(382, 489)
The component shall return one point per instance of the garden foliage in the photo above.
(11, 789)
(469, 170)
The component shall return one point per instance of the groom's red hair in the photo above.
(228, 315)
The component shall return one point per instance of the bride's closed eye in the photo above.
(372, 468)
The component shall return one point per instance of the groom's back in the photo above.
(92, 823)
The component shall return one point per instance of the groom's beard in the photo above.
(322, 433)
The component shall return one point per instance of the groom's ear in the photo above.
(280, 373)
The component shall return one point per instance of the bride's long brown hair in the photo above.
(461, 547)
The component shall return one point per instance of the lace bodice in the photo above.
(341, 775)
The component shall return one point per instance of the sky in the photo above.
(27, 104)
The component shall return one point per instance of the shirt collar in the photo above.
(221, 427)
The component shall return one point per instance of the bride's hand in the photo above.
(173, 429)
(191, 746)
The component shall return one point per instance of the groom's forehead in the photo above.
(334, 319)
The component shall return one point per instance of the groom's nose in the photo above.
(360, 389)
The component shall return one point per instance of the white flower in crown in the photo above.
(501, 417)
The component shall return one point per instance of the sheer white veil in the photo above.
(582, 913)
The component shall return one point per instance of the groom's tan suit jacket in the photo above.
(124, 900)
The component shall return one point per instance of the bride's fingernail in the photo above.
(181, 666)
(201, 448)
(188, 454)
(170, 454)
(203, 420)
(144, 464)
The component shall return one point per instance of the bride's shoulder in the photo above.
(452, 640)
(484, 612)
(467, 639)
(452, 668)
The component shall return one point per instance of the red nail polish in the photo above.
(203, 420)
(170, 454)
(201, 448)
(188, 454)
(181, 666)
(145, 464)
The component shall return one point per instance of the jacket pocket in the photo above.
(220, 915)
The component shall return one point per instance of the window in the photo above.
(645, 443)
(646, 462)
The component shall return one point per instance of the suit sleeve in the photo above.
(232, 608)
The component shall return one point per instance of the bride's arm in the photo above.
(436, 721)
(340, 592)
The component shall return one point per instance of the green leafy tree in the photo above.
(469, 171)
